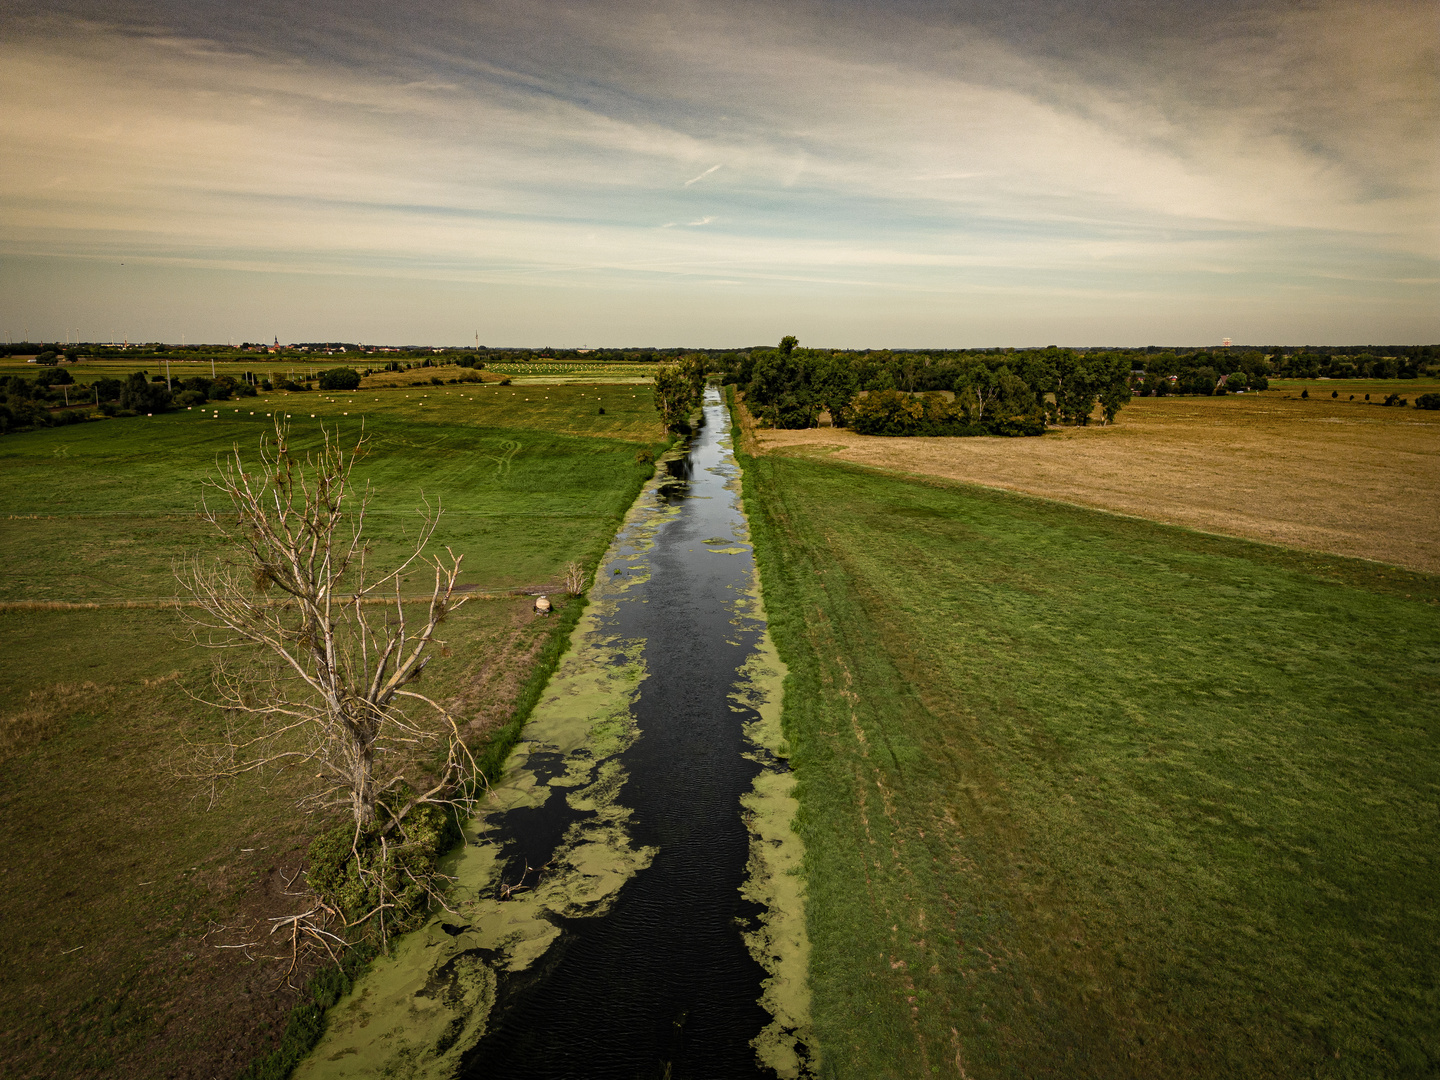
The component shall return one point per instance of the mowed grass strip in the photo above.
(102, 511)
(1090, 796)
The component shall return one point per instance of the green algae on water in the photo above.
(775, 871)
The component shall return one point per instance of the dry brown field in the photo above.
(1338, 476)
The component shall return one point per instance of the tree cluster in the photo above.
(54, 398)
(199, 389)
(1356, 362)
(340, 378)
(678, 388)
(1009, 393)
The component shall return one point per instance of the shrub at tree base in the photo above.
(385, 863)
(340, 378)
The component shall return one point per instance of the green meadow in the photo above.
(1088, 796)
(119, 883)
(527, 479)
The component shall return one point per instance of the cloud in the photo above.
(936, 152)
(702, 176)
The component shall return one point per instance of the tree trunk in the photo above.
(362, 792)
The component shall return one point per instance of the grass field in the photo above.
(118, 884)
(100, 511)
(266, 366)
(1086, 796)
(1343, 477)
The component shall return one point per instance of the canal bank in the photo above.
(629, 902)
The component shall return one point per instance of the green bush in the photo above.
(137, 395)
(340, 378)
(890, 412)
(408, 856)
(1428, 401)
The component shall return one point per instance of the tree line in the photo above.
(54, 397)
(884, 393)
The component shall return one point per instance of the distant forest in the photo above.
(1285, 361)
(1019, 391)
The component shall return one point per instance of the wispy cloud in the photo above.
(696, 179)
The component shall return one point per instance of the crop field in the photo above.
(119, 883)
(1091, 796)
(1339, 476)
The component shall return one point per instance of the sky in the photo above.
(720, 173)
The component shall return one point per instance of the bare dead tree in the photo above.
(574, 579)
(331, 647)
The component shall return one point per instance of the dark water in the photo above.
(662, 985)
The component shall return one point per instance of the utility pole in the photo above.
(167, 374)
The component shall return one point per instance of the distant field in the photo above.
(1089, 796)
(115, 875)
(99, 511)
(1344, 477)
(1376, 388)
(86, 370)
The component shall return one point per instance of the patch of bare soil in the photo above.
(1348, 478)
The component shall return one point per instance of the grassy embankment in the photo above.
(114, 874)
(1090, 796)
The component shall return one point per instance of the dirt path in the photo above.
(1343, 477)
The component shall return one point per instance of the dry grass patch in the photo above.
(45, 710)
(1343, 477)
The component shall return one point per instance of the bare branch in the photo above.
(311, 674)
